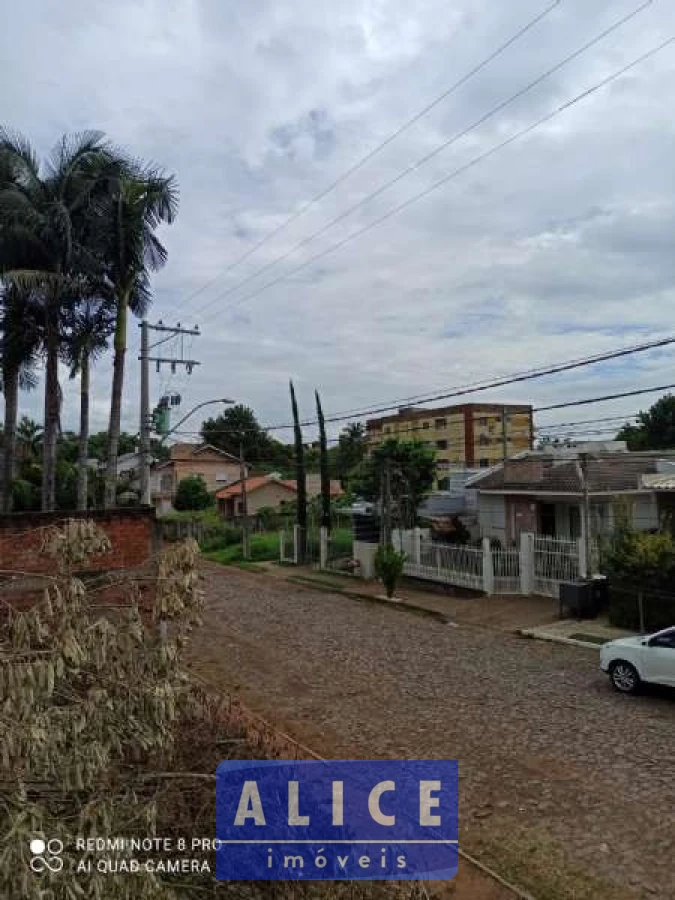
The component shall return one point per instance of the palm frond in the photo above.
(19, 161)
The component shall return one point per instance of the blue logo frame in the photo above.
(334, 820)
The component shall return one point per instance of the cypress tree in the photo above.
(301, 481)
(323, 466)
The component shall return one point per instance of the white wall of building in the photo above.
(492, 516)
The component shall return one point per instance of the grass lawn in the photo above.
(265, 546)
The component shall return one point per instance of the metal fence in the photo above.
(555, 560)
(461, 566)
(506, 571)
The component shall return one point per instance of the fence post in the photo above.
(583, 560)
(296, 543)
(323, 547)
(417, 545)
(282, 546)
(526, 563)
(488, 569)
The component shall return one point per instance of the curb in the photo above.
(311, 584)
(554, 639)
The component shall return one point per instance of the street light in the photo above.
(194, 410)
(145, 455)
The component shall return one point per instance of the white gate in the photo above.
(555, 560)
(462, 566)
(506, 571)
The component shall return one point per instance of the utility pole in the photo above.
(245, 550)
(145, 415)
(505, 439)
(146, 359)
(385, 491)
(586, 518)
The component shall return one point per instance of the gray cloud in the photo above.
(559, 246)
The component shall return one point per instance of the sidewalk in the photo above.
(591, 633)
(501, 613)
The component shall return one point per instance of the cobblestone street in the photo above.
(565, 786)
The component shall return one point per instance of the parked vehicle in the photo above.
(632, 660)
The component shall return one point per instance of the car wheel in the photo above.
(624, 677)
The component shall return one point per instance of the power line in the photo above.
(526, 376)
(444, 180)
(372, 153)
(652, 390)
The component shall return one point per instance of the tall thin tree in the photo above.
(301, 481)
(142, 200)
(323, 465)
(89, 329)
(44, 217)
(19, 345)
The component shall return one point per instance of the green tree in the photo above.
(300, 479)
(89, 328)
(236, 426)
(412, 471)
(351, 449)
(192, 494)
(142, 199)
(324, 465)
(655, 429)
(19, 346)
(47, 242)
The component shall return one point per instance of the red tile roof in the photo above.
(252, 484)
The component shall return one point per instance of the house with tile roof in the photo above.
(543, 493)
(261, 491)
(215, 466)
(265, 491)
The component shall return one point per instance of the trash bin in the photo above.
(576, 599)
(600, 592)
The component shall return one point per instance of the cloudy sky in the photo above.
(558, 246)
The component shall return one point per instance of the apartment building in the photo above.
(468, 435)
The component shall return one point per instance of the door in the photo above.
(547, 519)
(659, 658)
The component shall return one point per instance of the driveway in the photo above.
(566, 787)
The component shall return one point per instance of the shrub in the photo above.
(389, 567)
(192, 493)
(639, 563)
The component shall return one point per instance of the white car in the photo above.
(632, 660)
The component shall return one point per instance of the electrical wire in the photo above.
(372, 153)
(427, 157)
(450, 176)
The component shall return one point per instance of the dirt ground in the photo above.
(565, 788)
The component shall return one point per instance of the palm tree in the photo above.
(19, 344)
(44, 220)
(142, 200)
(89, 328)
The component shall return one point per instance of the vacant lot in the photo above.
(566, 787)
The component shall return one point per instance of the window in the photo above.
(440, 423)
(386, 429)
(664, 640)
(222, 477)
(442, 445)
(483, 440)
(482, 421)
(443, 484)
(484, 463)
(425, 424)
(166, 483)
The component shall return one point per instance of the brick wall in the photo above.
(132, 532)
